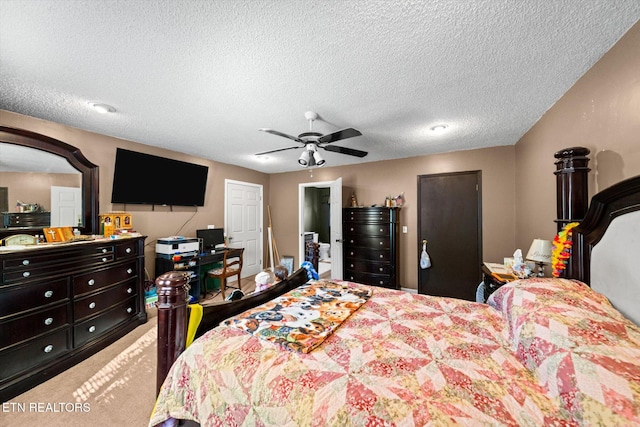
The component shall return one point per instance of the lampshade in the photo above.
(540, 251)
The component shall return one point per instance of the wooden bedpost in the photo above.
(173, 296)
(572, 188)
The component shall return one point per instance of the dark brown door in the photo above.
(450, 219)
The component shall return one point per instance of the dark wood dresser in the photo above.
(370, 246)
(25, 219)
(59, 304)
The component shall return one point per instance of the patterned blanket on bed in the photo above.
(401, 359)
(302, 319)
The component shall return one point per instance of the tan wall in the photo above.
(162, 222)
(34, 187)
(601, 112)
(372, 182)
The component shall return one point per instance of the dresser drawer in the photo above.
(35, 271)
(128, 249)
(355, 229)
(34, 353)
(376, 242)
(369, 279)
(367, 254)
(41, 322)
(18, 298)
(94, 280)
(361, 266)
(368, 215)
(36, 259)
(92, 328)
(97, 302)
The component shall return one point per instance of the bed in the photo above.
(541, 352)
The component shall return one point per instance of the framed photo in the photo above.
(287, 261)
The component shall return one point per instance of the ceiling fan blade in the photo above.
(275, 132)
(339, 135)
(345, 150)
(275, 151)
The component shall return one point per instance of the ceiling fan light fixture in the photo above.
(438, 128)
(318, 158)
(304, 158)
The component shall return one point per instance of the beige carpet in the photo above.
(116, 386)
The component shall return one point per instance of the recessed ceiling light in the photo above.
(102, 108)
(438, 128)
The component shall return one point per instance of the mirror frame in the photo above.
(74, 156)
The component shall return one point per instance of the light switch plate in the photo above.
(404, 229)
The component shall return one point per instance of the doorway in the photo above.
(450, 220)
(316, 209)
(243, 222)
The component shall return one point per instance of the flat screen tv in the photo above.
(141, 178)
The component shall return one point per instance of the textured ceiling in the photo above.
(201, 77)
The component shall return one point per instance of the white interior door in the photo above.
(335, 213)
(243, 222)
(66, 206)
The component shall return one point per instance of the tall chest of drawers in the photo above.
(59, 304)
(370, 246)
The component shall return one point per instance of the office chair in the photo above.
(231, 266)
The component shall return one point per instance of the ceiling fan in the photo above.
(312, 141)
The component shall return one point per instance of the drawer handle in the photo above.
(25, 262)
(92, 305)
(382, 229)
(48, 294)
(48, 321)
(351, 253)
(26, 274)
(129, 309)
(92, 329)
(351, 265)
(91, 282)
(48, 349)
(129, 290)
(351, 241)
(104, 259)
(381, 243)
(129, 271)
(104, 250)
(351, 228)
(381, 268)
(381, 256)
(381, 282)
(128, 250)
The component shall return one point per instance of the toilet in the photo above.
(324, 250)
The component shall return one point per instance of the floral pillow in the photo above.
(577, 344)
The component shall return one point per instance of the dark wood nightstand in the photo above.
(491, 282)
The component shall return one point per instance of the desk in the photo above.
(194, 265)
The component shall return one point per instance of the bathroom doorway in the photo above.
(320, 220)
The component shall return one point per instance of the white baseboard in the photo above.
(410, 290)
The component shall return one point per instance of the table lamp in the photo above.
(540, 253)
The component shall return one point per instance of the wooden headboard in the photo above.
(606, 244)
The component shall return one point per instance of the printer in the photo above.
(177, 245)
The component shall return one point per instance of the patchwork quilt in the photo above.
(577, 345)
(400, 359)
